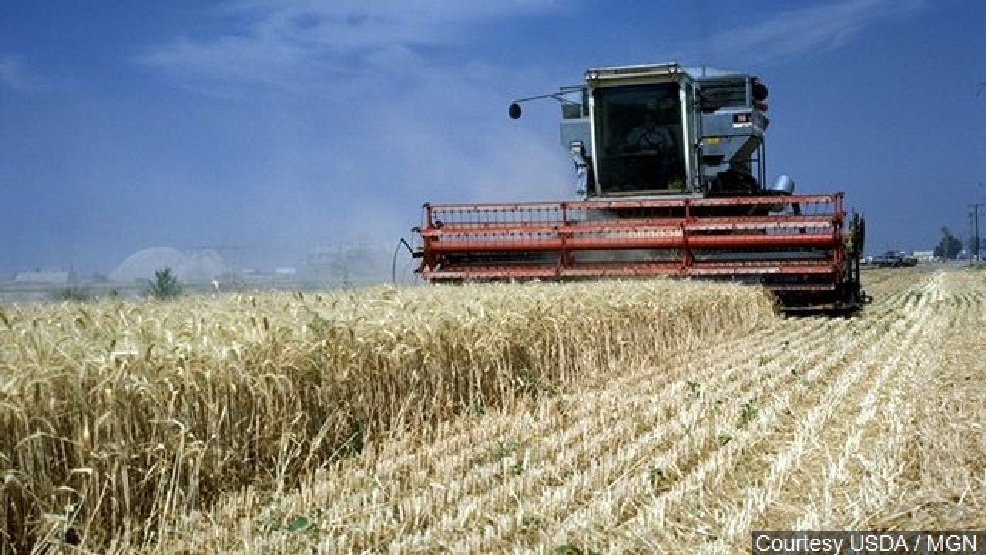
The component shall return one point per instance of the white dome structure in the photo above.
(142, 264)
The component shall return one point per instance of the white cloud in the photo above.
(824, 27)
(358, 24)
(286, 43)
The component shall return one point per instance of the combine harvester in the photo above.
(670, 163)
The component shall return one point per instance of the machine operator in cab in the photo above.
(651, 155)
(649, 136)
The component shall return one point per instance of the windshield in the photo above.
(638, 133)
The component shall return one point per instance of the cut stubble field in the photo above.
(671, 437)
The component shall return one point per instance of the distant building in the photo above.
(45, 277)
(924, 256)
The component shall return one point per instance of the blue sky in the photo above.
(283, 126)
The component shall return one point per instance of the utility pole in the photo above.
(974, 242)
(974, 215)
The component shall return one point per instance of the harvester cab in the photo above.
(670, 166)
(664, 130)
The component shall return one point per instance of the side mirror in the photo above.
(514, 111)
(760, 91)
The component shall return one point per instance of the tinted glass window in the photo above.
(638, 133)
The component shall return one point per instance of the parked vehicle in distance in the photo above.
(893, 259)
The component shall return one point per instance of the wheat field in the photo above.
(642, 417)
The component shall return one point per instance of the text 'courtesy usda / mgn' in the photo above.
(865, 543)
